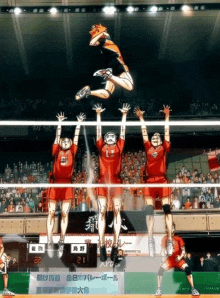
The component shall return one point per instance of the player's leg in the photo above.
(169, 221)
(103, 93)
(102, 209)
(63, 225)
(51, 220)
(117, 226)
(124, 80)
(149, 210)
(189, 277)
(164, 267)
(5, 291)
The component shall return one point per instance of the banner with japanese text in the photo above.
(76, 283)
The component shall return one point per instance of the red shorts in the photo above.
(109, 192)
(158, 191)
(172, 263)
(60, 194)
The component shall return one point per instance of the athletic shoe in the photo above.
(60, 249)
(151, 247)
(158, 292)
(169, 247)
(103, 255)
(50, 250)
(6, 292)
(84, 92)
(103, 73)
(114, 253)
(194, 292)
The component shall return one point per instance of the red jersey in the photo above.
(63, 166)
(178, 243)
(110, 157)
(156, 164)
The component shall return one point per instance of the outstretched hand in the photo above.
(138, 112)
(166, 110)
(98, 108)
(81, 117)
(61, 117)
(125, 108)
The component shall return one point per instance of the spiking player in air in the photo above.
(110, 156)
(156, 167)
(176, 260)
(64, 151)
(116, 72)
(4, 260)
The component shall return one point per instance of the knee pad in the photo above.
(149, 210)
(161, 271)
(166, 209)
(188, 270)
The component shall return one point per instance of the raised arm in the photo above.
(98, 108)
(95, 29)
(139, 113)
(125, 108)
(166, 110)
(60, 118)
(81, 117)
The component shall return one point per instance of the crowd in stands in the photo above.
(204, 263)
(29, 200)
(196, 198)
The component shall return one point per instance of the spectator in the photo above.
(3, 205)
(27, 208)
(176, 204)
(217, 202)
(189, 261)
(39, 207)
(11, 207)
(23, 203)
(31, 204)
(209, 198)
(201, 264)
(195, 204)
(209, 264)
(188, 204)
(19, 208)
(183, 171)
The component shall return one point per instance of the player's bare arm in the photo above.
(101, 32)
(125, 108)
(2, 250)
(81, 117)
(183, 253)
(60, 118)
(140, 114)
(166, 110)
(98, 108)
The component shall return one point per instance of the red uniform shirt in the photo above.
(156, 164)
(178, 243)
(110, 157)
(63, 166)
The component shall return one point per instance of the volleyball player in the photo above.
(110, 158)
(176, 260)
(64, 151)
(4, 260)
(116, 72)
(156, 167)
